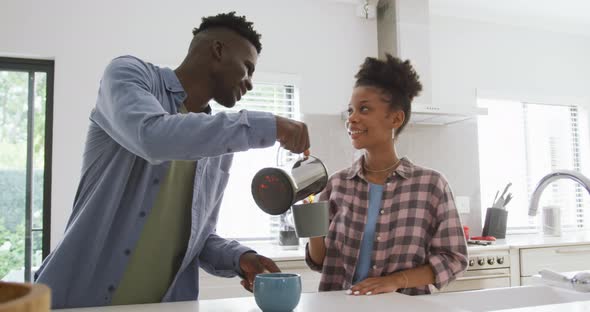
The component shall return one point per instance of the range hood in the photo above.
(423, 114)
(403, 30)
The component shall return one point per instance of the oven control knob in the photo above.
(481, 261)
(491, 261)
(500, 260)
(471, 262)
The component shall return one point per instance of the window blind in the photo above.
(521, 142)
(240, 218)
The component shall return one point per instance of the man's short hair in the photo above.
(238, 24)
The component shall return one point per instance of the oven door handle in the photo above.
(483, 276)
(572, 251)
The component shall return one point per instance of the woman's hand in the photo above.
(377, 285)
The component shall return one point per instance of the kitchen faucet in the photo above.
(556, 175)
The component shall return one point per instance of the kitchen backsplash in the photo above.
(451, 150)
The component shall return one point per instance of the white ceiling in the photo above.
(569, 16)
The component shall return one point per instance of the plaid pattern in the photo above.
(417, 224)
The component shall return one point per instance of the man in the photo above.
(154, 171)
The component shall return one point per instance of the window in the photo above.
(240, 218)
(522, 142)
(26, 101)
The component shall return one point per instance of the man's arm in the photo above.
(221, 257)
(127, 110)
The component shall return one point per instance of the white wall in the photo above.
(322, 42)
(506, 60)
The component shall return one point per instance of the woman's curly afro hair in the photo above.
(397, 79)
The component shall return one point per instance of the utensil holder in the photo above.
(495, 223)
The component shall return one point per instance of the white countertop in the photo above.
(511, 298)
(276, 252)
(310, 302)
(539, 240)
(339, 301)
(579, 306)
(280, 253)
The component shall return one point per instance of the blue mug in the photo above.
(277, 292)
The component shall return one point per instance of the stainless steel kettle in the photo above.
(275, 189)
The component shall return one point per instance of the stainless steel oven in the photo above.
(487, 269)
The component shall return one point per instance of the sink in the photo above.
(506, 298)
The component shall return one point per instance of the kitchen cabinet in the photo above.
(556, 258)
(213, 287)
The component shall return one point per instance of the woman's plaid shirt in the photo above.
(417, 224)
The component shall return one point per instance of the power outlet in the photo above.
(462, 204)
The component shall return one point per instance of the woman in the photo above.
(394, 225)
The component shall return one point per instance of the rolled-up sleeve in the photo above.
(313, 266)
(129, 112)
(448, 249)
(221, 257)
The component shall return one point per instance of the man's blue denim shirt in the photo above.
(134, 133)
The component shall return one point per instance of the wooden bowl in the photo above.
(24, 297)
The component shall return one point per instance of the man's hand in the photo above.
(292, 135)
(251, 264)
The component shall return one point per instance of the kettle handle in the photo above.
(302, 156)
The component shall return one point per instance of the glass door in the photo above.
(26, 98)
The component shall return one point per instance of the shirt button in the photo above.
(378, 237)
(374, 267)
(111, 288)
(142, 214)
(381, 211)
(127, 252)
(156, 181)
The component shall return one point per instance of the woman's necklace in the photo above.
(382, 170)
